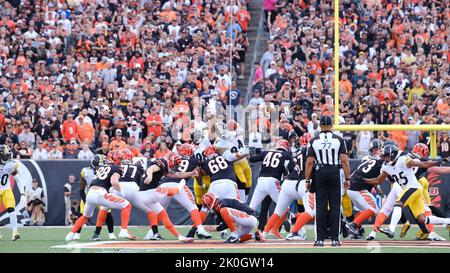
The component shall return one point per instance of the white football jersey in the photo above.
(401, 174)
(6, 172)
(198, 152)
(88, 174)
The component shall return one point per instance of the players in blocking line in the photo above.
(106, 176)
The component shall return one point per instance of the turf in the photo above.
(41, 240)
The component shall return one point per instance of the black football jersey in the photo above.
(217, 167)
(274, 163)
(132, 173)
(162, 164)
(235, 204)
(187, 164)
(103, 175)
(296, 167)
(366, 170)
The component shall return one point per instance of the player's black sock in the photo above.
(98, 230)
(437, 212)
(191, 232)
(403, 219)
(262, 218)
(300, 208)
(350, 218)
(109, 222)
(155, 229)
(423, 228)
(79, 231)
(199, 206)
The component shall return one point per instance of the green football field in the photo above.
(51, 240)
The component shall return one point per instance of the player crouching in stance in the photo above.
(9, 168)
(401, 169)
(106, 176)
(235, 215)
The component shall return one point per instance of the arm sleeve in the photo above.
(257, 158)
(83, 195)
(310, 150)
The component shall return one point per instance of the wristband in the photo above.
(307, 181)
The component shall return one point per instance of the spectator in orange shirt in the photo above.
(117, 143)
(399, 136)
(86, 131)
(154, 123)
(69, 128)
(345, 84)
(2, 119)
(162, 150)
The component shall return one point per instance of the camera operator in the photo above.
(36, 204)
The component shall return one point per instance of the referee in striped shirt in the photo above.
(326, 154)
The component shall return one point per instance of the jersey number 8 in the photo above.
(217, 164)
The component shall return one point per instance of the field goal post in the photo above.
(432, 128)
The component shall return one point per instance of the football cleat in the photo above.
(77, 236)
(372, 235)
(149, 235)
(344, 229)
(387, 232)
(15, 236)
(405, 227)
(203, 234)
(352, 228)
(335, 243)
(183, 239)
(435, 237)
(232, 239)
(157, 237)
(95, 237)
(355, 237)
(259, 237)
(295, 237)
(70, 236)
(318, 243)
(422, 236)
(126, 235)
(111, 236)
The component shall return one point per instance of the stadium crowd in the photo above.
(295, 75)
(394, 68)
(85, 77)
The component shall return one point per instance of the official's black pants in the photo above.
(327, 187)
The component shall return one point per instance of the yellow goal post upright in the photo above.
(432, 128)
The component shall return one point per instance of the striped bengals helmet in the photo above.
(209, 200)
(127, 154)
(305, 139)
(283, 144)
(173, 159)
(421, 149)
(210, 150)
(185, 149)
(115, 157)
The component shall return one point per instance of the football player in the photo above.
(151, 194)
(293, 188)
(106, 177)
(400, 168)
(185, 197)
(87, 175)
(235, 215)
(274, 165)
(241, 167)
(9, 168)
(360, 192)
